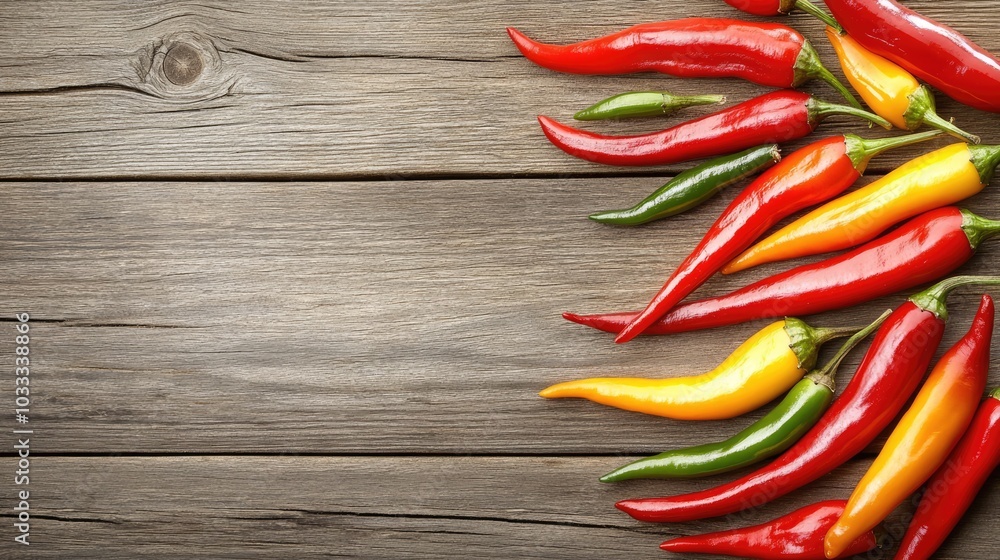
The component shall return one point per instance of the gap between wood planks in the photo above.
(362, 178)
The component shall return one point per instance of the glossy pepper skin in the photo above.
(693, 187)
(780, 8)
(810, 175)
(924, 436)
(937, 179)
(763, 367)
(889, 373)
(774, 117)
(954, 486)
(890, 91)
(772, 434)
(922, 250)
(763, 53)
(933, 52)
(643, 104)
(796, 536)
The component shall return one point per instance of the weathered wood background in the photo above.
(295, 273)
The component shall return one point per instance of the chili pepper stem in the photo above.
(805, 340)
(825, 375)
(931, 118)
(809, 65)
(823, 335)
(644, 104)
(995, 393)
(819, 110)
(986, 159)
(814, 10)
(933, 299)
(978, 228)
(923, 110)
(862, 150)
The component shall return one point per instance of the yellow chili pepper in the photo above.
(931, 181)
(924, 437)
(761, 369)
(892, 92)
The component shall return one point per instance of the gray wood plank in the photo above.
(364, 507)
(333, 89)
(372, 317)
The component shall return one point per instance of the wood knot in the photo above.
(182, 65)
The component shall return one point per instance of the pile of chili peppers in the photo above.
(947, 439)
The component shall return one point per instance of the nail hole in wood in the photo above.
(182, 64)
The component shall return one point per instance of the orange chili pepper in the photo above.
(892, 92)
(925, 435)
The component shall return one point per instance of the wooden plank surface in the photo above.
(334, 89)
(353, 317)
(295, 273)
(369, 507)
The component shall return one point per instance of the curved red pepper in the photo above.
(763, 53)
(796, 536)
(922, 250)
(782, 7)
(763, 7)
(951, 490)
(934, 52)
(775, 117)
(690, 48)
(889, 373)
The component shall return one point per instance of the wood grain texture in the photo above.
(366, 507)
(295, 273)
(317, 89)
(374, 317)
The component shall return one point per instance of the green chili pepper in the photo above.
(772, 434)
(644, 104)
(693, 187)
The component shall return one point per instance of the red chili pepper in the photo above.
(889, 373)
(763, 7)
(924, 249)
(796, 536)
(951, 490)
(934, 52)
(763, 53)
(782, 8)
(775, 117)
(817, 172)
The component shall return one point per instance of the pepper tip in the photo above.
(519, 39)
(745, 261)
(832, 544)
(547, 124)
